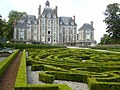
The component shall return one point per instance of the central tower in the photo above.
(48, 24)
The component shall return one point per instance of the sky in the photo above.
(84, 11)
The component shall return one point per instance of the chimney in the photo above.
(56, 10)
(74, 18)
(39, 10)
(91, 23)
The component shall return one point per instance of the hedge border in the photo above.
(5, 63)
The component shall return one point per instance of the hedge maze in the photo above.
(100, 70)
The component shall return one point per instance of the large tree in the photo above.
(2, 29)
(112, 20)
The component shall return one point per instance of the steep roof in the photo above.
(26, 19)
(21, 25)
(48, 11)
(86, 26)
(66, 21)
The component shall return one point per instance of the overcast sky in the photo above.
(84, 10)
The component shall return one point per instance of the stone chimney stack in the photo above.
(56, 10)
(39, 10)
(91, 23)
(74, 18)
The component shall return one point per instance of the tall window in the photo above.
(21, 35)
(49, 23)
(88, 35)
(48, 32)
(48, 39)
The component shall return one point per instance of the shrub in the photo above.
(46, 78)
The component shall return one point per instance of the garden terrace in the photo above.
(97, 69)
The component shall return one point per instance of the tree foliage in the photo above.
(2, 28)
(106, 39)
(112, 20)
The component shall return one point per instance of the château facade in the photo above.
(49, 28)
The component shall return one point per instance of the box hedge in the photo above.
(46, 78)
(5, 63)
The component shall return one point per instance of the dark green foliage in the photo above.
(69, 76)
(27, 46)
(21, 76)
(46, 78)
(108, 47)
(100, 70)
(112, 19)
(5, 63)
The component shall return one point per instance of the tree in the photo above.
(2, 29)
(112, 20)
(106, 39)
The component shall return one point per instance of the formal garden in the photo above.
(99, 70)
(60, 68)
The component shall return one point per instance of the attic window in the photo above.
(43, 16)
(21, 21)
(72, 23)
(61, 23)
(66, 23)
(49, 16)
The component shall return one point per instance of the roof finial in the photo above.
(47, 4)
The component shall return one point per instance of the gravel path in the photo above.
(33, 78)
(7, 80)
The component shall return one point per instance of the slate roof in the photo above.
(67, 21)
(49, 11)
(86, 26)
(22, 23)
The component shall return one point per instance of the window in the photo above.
(49, 15)
(21, 34)
(43, 16)
(88, 31)
(88, 39)
(54, 21)
(43, 28)
(48, 32)
(48, 22)
(54, 30)
(48, 39)
(43, 21)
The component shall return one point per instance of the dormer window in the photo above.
(43, 16)
(35, 22)
(72, 23)
(49, 16)
(66, 23)
(21, 21)
(28, 22)
(60, 22)
(54, 16)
